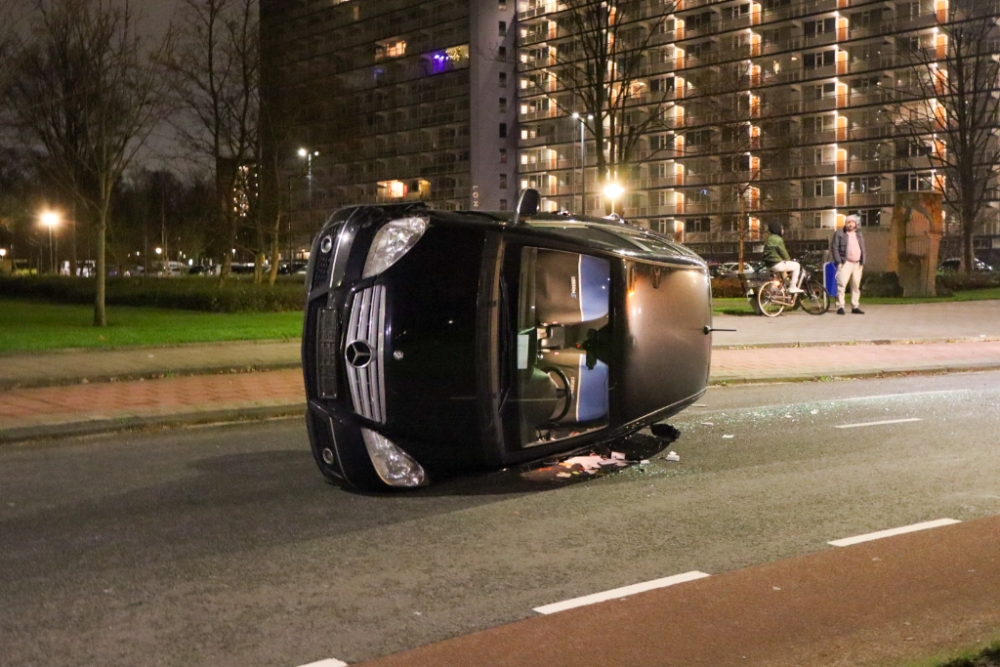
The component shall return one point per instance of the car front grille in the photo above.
(321, 269)
(363, 347)
(327, 347)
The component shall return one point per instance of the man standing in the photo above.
(848, 250)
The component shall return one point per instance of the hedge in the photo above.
(193, 293)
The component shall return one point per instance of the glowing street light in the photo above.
(50, 219)
(613, 191)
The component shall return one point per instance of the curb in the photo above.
(722, 381)
(120, 424)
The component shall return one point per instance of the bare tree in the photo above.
(601, 74)
(949, 113)
(81, 94)
(725, 120)
(215, 78)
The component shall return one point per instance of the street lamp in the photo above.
(583, 162)
(613, 191)
(50, 219)
(308, 155)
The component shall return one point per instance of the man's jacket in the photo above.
(838, 246)
(774, 250)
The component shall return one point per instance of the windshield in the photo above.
(562, 341)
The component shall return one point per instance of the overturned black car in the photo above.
(439, 342)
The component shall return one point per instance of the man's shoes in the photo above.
(840, 311)
(795, 290)
(857, 311)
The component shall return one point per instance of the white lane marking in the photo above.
(330, 662)
(881, 423)
(624, 591)
(857, 539)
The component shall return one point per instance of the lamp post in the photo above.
(308, 155)
(3, 257)
(583, 162)
(50, 219)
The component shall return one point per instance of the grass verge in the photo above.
(974, 657)
(28, 326)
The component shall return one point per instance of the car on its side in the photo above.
(442, 342)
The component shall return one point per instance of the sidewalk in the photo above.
(75, 392)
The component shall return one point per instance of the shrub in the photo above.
(195, 293)
(956, 281)
(726, 288)
(881, 284)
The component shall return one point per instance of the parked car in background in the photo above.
(439, 342)
(731, 269)
(954, 264)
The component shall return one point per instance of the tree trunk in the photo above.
(100, 312)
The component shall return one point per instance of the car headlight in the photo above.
(392, 242)
(393, 465)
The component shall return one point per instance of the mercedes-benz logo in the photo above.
(358, 354)
(326, 244)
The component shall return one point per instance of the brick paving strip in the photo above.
(61, 410)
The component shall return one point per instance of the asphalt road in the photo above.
(220, 546)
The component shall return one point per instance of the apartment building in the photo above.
(763, 110)
(392, 101)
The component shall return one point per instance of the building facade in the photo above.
(762, 110)
(391, 101)
(728, 114)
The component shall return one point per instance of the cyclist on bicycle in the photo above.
(777, 258)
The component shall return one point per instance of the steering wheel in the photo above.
(565, 392)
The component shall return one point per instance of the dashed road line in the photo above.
(881, 423)
(624, 591)
(857, 539)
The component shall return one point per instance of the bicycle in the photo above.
(773, 296)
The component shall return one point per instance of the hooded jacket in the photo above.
(774, 246)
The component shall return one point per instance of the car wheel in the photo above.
(767, 306)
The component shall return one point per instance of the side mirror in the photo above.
(527, 204)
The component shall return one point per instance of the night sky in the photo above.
(155, 14)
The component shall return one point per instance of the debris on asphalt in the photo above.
(673, 456)
(707, 424)
(728, 437)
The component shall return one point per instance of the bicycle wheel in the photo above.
(814, 300)
(767, 306)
